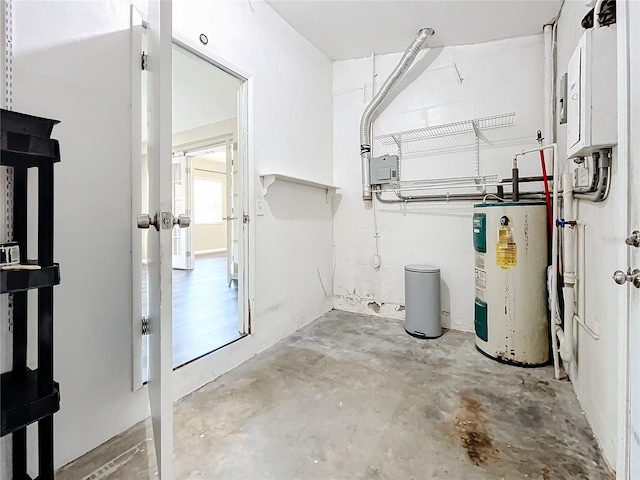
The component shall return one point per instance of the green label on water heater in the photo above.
(480, 320)
(480, 232)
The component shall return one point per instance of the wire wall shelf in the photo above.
(473, 184)
(485, 132)
(449, 181)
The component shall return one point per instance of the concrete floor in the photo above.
(353, 396)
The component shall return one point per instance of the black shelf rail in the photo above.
(29, 395)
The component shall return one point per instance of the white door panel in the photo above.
(182, 195)
(159, 256)
(634, 252)
(628, 18)
(137, 251)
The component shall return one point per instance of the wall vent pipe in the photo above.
(367, 117)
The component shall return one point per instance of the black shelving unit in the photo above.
(28, 396)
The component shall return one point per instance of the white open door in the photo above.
(628, 464)
(182, 194)
(159, 221)
(633, 434)
(138, 200)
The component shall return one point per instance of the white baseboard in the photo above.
(212, 250)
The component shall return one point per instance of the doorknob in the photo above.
(183, 221)
(145, 221)
(634, 239)
(632, 277)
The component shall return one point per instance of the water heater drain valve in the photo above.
(562, 223)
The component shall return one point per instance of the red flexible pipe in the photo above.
(546, 190)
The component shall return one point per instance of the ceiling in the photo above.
(345, 29)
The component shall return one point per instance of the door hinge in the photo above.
(143, 60)
(188, 254)
(245, 219)
(145, 325)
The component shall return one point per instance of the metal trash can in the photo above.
(422, 301)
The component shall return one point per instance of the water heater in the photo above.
(510, 243)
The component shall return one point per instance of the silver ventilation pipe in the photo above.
(367, 117)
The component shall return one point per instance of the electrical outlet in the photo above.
(260, 206)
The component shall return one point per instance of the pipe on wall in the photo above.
(566, 335)
(456, 197)
(580, 317)
(549, 81)
(367, 117)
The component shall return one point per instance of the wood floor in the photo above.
(205, 309)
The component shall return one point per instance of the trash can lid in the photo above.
(422, 268)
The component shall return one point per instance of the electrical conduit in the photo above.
(566, 334)
(367, 117)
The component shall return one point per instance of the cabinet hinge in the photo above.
(145, 325)
(143, 61)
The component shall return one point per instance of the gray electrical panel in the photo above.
(384, 169)
(563, 99)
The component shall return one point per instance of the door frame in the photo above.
(628, 38)
(186, 259)
(246, 161)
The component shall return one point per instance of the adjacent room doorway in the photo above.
(205, 255)
(208, 170)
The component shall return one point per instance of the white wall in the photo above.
(291, 127)
(497, 77)
(72, 63)
(596, 384)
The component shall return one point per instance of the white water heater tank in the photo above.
(510, 243)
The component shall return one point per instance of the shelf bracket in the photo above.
(329, 193)
(267, 181)
(476, 132)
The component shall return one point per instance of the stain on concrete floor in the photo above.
(354, 396)
(471, 425)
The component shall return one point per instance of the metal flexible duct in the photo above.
(367, 117)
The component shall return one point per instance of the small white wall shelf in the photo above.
(269, 179)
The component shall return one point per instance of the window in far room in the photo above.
(207, 200)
